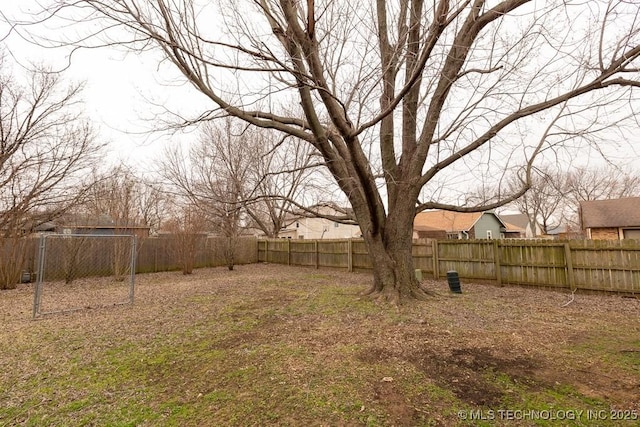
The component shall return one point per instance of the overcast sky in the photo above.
(121, 88)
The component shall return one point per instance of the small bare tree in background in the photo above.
(74, 256)
(125, 199)
(47, 150)
(240, 178)
(13, 255)
(212, 178)
(544, 200)
(226, 219)
(282, 175)
(187, 228)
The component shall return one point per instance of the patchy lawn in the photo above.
(274, 345)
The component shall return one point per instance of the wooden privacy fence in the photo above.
(159, 254)
(612, 266)
(153, 254)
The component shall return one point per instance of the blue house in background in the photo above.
(441, 224)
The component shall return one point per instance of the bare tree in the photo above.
(47, 150)
(128, 204)
(601, 183)
(214, 177)
(188, 234)
(225, 217)
(242, 175)
(152, 205)
(125, 199)
(396, 96)
(283, 174)
(544, 201)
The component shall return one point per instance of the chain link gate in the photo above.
(82, 271)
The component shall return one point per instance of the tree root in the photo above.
(370, 291)
(394, 297)
(422, 294)
(427, 291)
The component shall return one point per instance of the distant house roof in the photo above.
(512, 228)
(95, 221)
(610, 213)
(559, 229)
(426, 228)
(518, 220)
(449, 221)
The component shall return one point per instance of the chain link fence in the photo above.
(79, 271)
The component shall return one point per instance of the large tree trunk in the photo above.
(390, 250)
(393, 273)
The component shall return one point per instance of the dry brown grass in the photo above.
(277, 345)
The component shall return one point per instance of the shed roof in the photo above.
(610, 213)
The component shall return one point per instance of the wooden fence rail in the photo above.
(612, 266)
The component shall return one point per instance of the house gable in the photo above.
(488, 226)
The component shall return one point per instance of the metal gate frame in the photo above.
(37, 299)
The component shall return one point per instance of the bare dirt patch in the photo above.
(270, 344)
(462, 372)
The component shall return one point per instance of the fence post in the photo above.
(288, 251)
(155, 256)
(569, 264)
(496, 259)
(257, 250)
(436, 273)
(350, 255)
(39, 278)
(315, 247)
(132, 276)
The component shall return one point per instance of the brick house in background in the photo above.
(613, 219)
